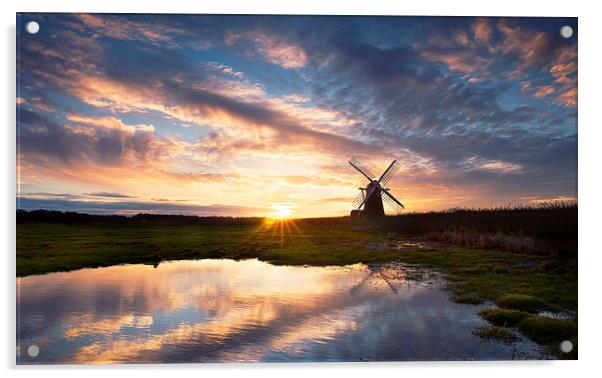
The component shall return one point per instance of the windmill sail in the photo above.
(362, 169)
(390, 197)
(358, 200)
(389, 172)
(396, 208)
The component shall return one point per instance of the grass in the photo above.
(474, 276)
(473, 238)
(555, 219)
(546, 330)
(43, 248)
(503, 317)
(545, 228)
(496, 333)
(541, 329)
(522, 302)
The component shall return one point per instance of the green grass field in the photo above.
(474, 275)
(43, 248)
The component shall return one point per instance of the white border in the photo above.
(590, 212)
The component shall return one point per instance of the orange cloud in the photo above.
(564, 73)
(255, 124)
(568, 97)
(482, 30)
(279, 51)
(259, 288)
(454, 62)
(462, 38)
(477, 163)
(530, 45)
(129, 30)
(544, 91)
(109, 122)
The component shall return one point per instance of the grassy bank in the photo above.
(523, 282)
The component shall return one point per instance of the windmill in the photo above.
(369, 202)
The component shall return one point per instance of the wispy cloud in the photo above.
(134, 207)
(482, 30)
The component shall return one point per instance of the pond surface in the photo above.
(225, 310)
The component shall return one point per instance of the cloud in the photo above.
(126, 29)
(568, 97)
(109, 123)
(40, 103)
(455, 62)
(107, 195)
(278, 50)
(544, 91)
(482, 30)
(533, 49)
(564, 73)
(476, 163)
(165, 82)
(201, 106)
(531, 46)
(110, 144)
(217, 66)
(134, 207)
(345, 200)
(46, 195)
(313, 180)
(462, 38)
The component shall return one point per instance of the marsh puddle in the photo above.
(225, 310)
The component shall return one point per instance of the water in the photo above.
(225, 310)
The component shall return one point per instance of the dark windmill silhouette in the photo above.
(369, 203)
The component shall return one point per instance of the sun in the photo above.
(281, 211)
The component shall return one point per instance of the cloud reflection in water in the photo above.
(225, 310)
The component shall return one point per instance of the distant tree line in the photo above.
(69, 217)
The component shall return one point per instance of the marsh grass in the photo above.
(503, 317)
(472, 237)
(553, 219)
(496, 333)
(545, 229)
(541, 329)
(522, 302)
(545, 330)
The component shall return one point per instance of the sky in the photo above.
(258, 115)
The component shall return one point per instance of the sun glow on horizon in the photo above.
(281, 211)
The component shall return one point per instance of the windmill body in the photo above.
(369, 203)
(373, 208)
